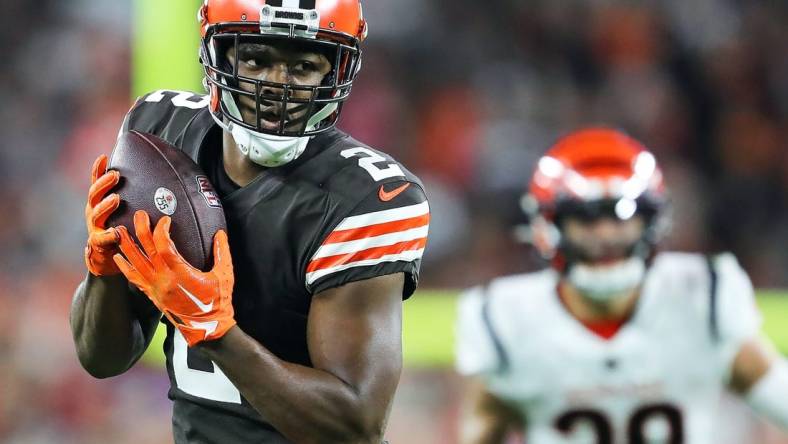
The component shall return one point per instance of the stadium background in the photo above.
(466, 93)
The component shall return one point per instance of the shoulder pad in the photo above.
(351, 170)
(377, 216)
(165, 113)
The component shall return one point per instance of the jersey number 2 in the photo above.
(368, 159)
(198, 376)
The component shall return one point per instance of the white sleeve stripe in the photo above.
(380, 217)
(370, 242)
(409, 255)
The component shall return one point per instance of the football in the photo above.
(162, 180)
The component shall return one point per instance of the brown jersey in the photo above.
(341, 212)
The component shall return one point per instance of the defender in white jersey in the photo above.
(614, 343)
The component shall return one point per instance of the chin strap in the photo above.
(604, 283)
(268, 150)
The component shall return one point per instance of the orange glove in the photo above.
(102, 241)
(198, 303)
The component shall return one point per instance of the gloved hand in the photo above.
(197, 303)
(102, 241)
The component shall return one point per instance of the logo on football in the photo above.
(211, 198)
(165, 201)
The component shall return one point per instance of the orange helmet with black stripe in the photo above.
(591, 173)
(334, 28)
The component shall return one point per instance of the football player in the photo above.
(615, 342)
(295, 334)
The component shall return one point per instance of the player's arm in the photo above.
(357, 276)
(481, 354)
(111, 327)
(760, 376)
(757, 372)
(487, 419)
(752, 362)
(354, 338)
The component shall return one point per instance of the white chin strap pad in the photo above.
(266, 149)
(603, 283)
(263, 149)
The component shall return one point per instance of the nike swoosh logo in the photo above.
(208, 327)
(205, 308)
(386, 196)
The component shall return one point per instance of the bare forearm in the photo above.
(305, 404)
(483, 431)
(487, 419)
(107, 335)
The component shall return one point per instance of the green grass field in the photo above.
(429, 328)
(774, 307)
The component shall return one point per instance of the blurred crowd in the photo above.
(470, 93)
(466, 93)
